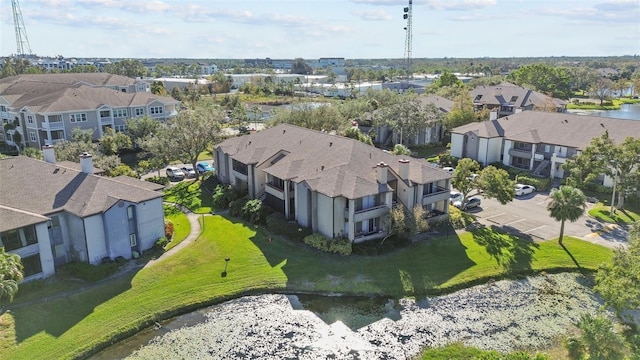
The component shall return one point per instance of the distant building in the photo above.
(506, 99)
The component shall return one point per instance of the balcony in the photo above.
(5, 115)
(521, 153)
(439, 194)
(369, 213)
(362, 237)
(106, 120)
(53, 125)
(275, 191)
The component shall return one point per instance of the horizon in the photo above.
(354, 29)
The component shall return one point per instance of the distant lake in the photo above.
(627, 111)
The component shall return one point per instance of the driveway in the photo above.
(528, 216)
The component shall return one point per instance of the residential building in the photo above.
(334, 185)
(540, 142)
(507, 99)
(51, 214)
(45, 108)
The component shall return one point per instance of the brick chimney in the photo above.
(404, 168)
(382, 173)
(86, 163)
(49, 154)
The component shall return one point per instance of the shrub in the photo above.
(336, 246)
(277, 223)
(541, 184)
(158, 180)
(448, 160)
(209, 181)
(89, 272)
(235, 207)
(168, 229)
(162, 242)
(224, 195)
(254, 211)
(459, 219)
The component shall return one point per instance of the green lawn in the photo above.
(190, 194)
(181, 225)
(75, 325)
(621, 216)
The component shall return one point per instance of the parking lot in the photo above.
(528, 216)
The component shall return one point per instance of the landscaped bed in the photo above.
(78, 324)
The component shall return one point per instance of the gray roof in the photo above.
(76, 166)
(445, 105)
(17, 84)
(330, 164)
(83, 97)
(39, 187)
(507, 93)
(575, 131)
(14, 219)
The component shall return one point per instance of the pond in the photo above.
(530, 313)
(626, 111)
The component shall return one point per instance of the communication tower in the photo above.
(408, 43)
(22, 41)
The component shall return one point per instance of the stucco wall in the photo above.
(302, 197)
(494, 150)
(325, 215)
(96, 244)
(76, 236)
(339, 205)
(457, 143)
(150, 216)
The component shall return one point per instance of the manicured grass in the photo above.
(190, 194)
(623, 216)
(424, 152)
(205, 155)
(76, 324)
(181, 225)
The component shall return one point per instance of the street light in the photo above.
(226, 263)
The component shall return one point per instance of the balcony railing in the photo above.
(368, 213)
(439, 190)
(521, 153)
(53, 125)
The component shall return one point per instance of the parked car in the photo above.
(455, 196)
(203, 167)
(523, 189)
(188, 171)
(448, 169)
(469, 204)
(174, 173)
(473, 177)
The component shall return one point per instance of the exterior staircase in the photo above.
(541, 167)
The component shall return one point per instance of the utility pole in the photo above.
(22, 41)
(408, 43)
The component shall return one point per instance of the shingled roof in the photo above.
(38, 187)
(19, 83)
(562, 129)
(330, 164)
(507, 93)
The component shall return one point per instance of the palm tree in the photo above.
(567, 203)
(10, 275)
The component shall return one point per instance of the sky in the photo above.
(311, 29)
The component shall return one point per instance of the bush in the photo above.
(209, 181)
(336, 246)
(254, 211)
(159, 180)
(277, 223)
(448, 160)
(162, 242)
(541, 184)
(235, 207)
(224, 195)
(459, 219)
(89, 272)
(168, 229)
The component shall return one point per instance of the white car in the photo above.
(455, 196)
(174, 173)
(522, 189)
(448, 169)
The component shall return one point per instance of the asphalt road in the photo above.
(528, 216)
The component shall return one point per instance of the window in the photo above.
(132, 240)
(16, 239)
(78, 117)
(547, 148)
(513, 99)
(478, 97)
(32, 265)
(130, 212)
(30, 119)
(138, 111)
(54, 222)
(32, 136)
(156, 110)
(2, 108)
(120, 113)
(120, 128)
(105, 114)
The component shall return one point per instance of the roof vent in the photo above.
(284, 131)
(330, 144)
(322, 167)
(601, 124)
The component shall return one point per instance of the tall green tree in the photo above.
(618, 281)
(130, 68)
(551, 80)
(462, 177)
(599, 339)
(496, 184)
(11, 274)
(141, 128)
(567, 203)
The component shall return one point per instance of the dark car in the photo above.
(203, 167)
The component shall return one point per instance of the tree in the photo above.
(618, 281)
(355, 133)
(599, 340)
(33, 153)
(176, 94)
(496, 184)
(192, 132)
(601, 89)
(112, 142)
(400, 149)
(130, 68)
(11, 274)
(462, 112)
(551, 80)
(447, 79)
(141, 128)
(157, 88)
(462, 177)
(82, 142)
(567, 203)
(301, 67)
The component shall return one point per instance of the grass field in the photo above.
(189, 193)
(621, 216)
(181, 225)
(75, 325)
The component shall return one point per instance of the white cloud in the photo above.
(373, 15)
(459, 4)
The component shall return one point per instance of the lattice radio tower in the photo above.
(408, 43)
(22, 41)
